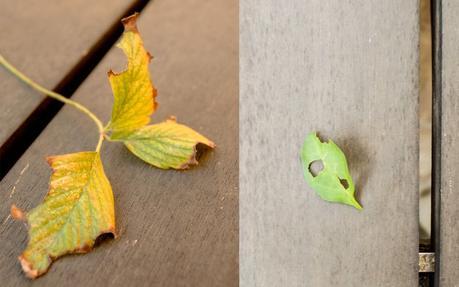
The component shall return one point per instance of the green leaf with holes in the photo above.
(167, 144)
(78, 208)
(333, 183)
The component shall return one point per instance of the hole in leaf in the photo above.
(103, 237)
(344, 183)
(316, 167)
(200, 150)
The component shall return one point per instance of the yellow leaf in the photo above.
(77, 209)
(167, 145)
(133, 91)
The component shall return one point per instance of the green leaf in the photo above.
(166, 145)
(334, 182)
(77, 209)
(133, 91)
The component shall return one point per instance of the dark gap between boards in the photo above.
(436, 15)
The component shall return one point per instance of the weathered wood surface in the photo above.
(45, 40)
(348, 70)
(449, 218)
(177, 228)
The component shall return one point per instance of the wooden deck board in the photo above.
(348, 70)
(177, 228)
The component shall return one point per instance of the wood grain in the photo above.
(45, 40)
(177, 228)
(449, 217)
(349, 70)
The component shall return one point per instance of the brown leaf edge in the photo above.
(17, 213)
(32, 273)
(130, 25)
(193, 158)
(27, 267)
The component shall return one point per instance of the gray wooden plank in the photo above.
(45, 40)
(449, 217)
(177, 228)
(349, 70)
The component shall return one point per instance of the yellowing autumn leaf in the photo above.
(167, 144)
(79, 205)
(133, 92)
(77, 209)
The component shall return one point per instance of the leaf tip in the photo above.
(115, 234)
(172, 118)
(28, 269)
(129, 23)
(209, 143)
(193, 160)
(17, 213)
(356, 204)
(110, 73)
(50, 160)
(150, 57)
(319, 138)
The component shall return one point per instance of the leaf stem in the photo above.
(56, 96)
(99, 143)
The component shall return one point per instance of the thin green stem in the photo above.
(99, 143)
(56, 96)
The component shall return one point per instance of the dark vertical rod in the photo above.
(436, 132)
